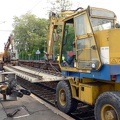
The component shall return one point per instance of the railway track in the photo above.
(39, 89)
(47, 92)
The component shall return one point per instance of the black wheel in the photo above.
(65, 102)
(107, 106)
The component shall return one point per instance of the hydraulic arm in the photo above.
(9, 54)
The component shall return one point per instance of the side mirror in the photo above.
(117, 25)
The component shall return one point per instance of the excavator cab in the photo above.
(81, 29)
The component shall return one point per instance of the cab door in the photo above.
(87, 53)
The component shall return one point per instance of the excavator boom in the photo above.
(55, 20)
(9, 54)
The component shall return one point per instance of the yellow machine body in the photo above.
(88, 90)
(97, 46)
(110, 40)
(91, 47)
(10, 54)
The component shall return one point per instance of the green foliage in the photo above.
(69, 38)
(30, 33)
(33, 54)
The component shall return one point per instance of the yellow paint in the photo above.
(114, 46)
(73, 87)
(88, 93)
(86, 80)
(110, 38)
(102, 38)
(117, 86)
(115, 60)
(108, 112)
(88, 90)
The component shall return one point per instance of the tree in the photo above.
(60, 5)
(30, 32)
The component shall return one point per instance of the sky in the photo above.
(11, 8)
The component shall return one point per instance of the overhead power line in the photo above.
(6, 30)
(35, 5)
(1, 22)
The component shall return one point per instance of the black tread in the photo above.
(112, 98)
(71, 104)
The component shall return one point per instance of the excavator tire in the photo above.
(65, 102)
(107, 106)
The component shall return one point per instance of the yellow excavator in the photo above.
(10, 54)
(92, 63)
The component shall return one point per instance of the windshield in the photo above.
(102, 19)
(102, 13)
(99, 24)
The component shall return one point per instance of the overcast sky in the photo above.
(10, 8)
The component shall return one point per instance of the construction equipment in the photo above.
(9, 87)
(94, 70)
(10, 54)
(1, 56)
(54, 26)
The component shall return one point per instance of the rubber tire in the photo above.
(111, 98)
(71, 103)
